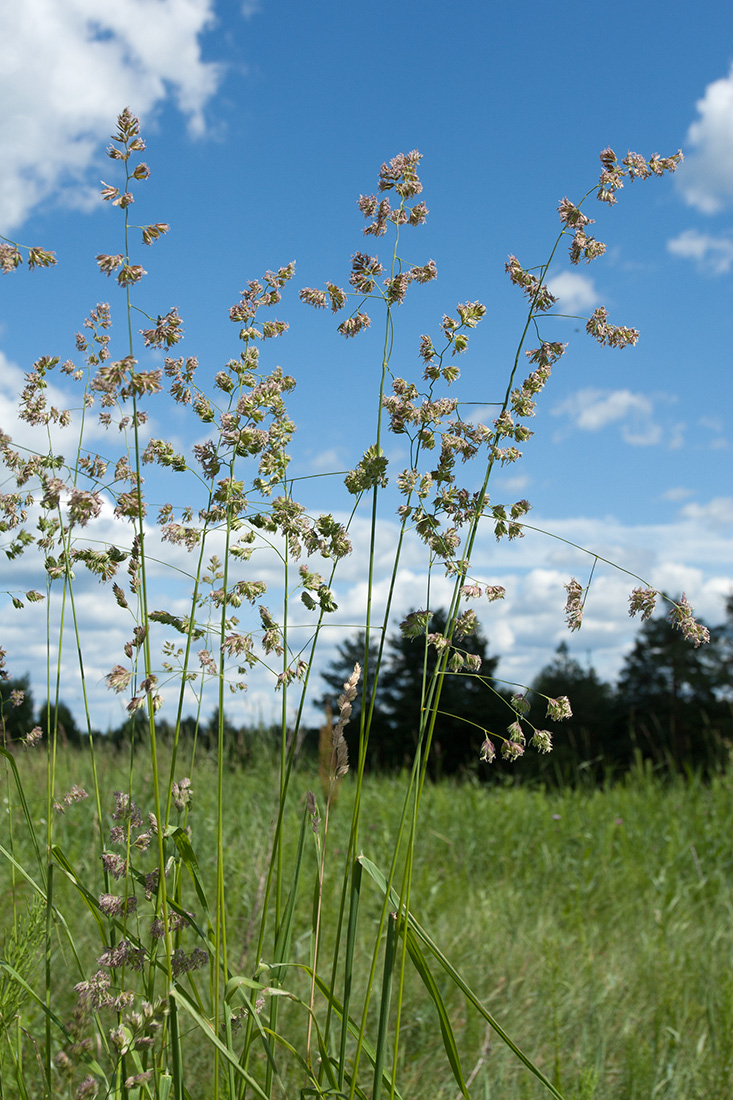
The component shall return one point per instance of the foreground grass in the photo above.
(540, 903)
(595, 925)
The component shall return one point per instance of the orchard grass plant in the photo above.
(259, 944)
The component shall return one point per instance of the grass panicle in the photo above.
(179, 927)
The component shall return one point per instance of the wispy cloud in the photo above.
(325, 461)
(714, 430)
(590, 410)
(718, 511)
(575, 292)
(706, 176)
(712, 254)
(89, 60)
(676, 494)
(514, 483)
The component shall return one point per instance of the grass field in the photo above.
(596, 925)
(175, 931)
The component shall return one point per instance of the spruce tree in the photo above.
(667, 697)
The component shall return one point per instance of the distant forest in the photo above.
(672, 706)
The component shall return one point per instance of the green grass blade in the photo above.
(58, 915)
(51, 1016)
(92, 902)
(354, 1030)
(284, 932)
(229, 1056)
(18, 1074)
(22, 871)
(26, 811)
(356, 876)
(389, 960)
(47, 974)
(187, 854)
(176, 1078)
(327, 1063)
(283, 936)
(237, 985)
(422, 935)
(449, 1040)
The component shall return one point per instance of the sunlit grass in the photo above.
(178, 928)
(595, 924)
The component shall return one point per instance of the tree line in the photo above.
(18, 718)
(672, 706)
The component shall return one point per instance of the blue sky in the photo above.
(265, 121)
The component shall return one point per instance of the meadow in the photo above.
(180, 929)
(594, 924)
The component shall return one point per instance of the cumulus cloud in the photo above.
(705, 179)
(590, 410)
(718, 511)
(523, 629)
(25, 435)
(89, 60)
(576, 292)
(712, 254)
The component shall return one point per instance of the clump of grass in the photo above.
(180, 980)
(592, 922)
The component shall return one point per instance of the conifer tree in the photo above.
(667, 696)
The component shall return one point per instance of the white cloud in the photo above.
(718, 511)
(523, 629)
(590, 410)
(325, 461)
(515, 483)
(89, 60)
(713, 254)
(705, 178)
(28, 437)
(677, 494)
(575, 292)
(596, 408)
(676, 436)
(714, 428)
